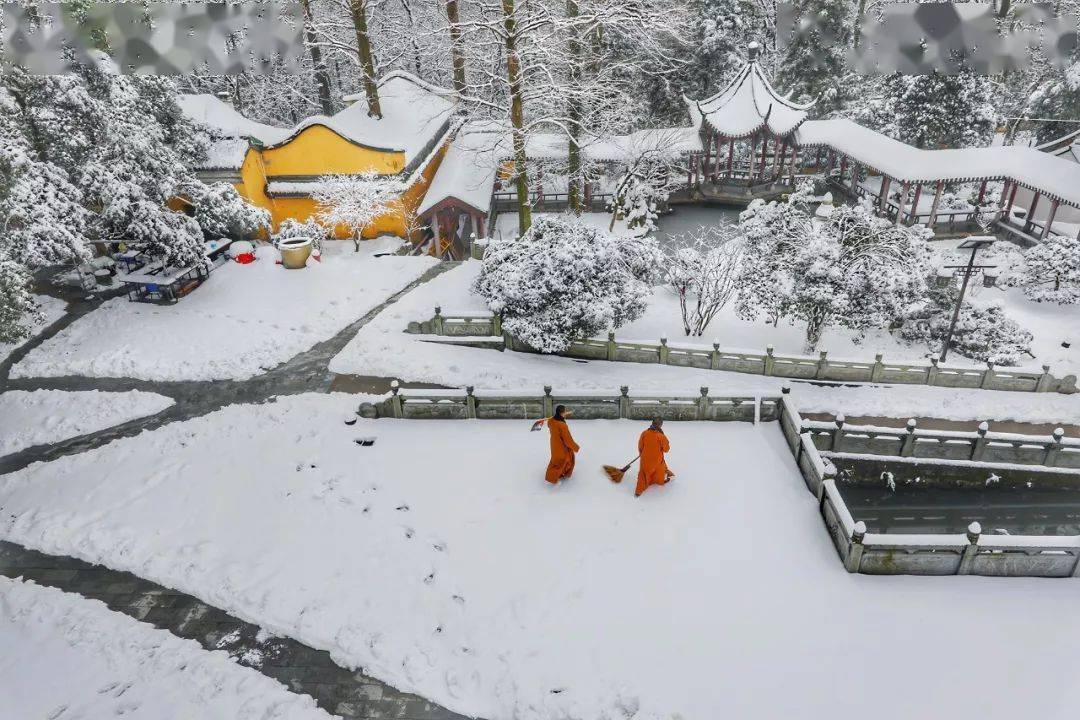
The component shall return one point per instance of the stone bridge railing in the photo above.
(768, 363)
(974, 455)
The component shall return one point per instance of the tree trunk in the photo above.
(457, 53)
(517, 116)
(815, 326)
(367, 60)
(322, 77)
(574, 111)
(859, 15)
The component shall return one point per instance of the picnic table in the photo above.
(157, 282)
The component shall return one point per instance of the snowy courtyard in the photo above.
(243, 321)
(439, 560)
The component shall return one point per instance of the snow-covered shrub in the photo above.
(563, 279)
(851, 269)
(311, 228)
(700, 268)
(644, 184)
(221, 212)
(16, 302)
(983, 332)
(1050, 271)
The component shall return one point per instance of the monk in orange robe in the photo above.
(563, 447)
(653, 470)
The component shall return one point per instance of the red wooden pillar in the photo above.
(915, 204)
(764, 154)
(1031, 212)
(1049, 220)
(779, 151)
(855, 170)
(832, 162)
(900, 205)
(794, 158)
(588, 194)
(730, 156)
(753, 157)
(883, 194)
(1012, 199)
(843, 169)
(480, 220)
(982, 194)
(705, 161)
(933, 208)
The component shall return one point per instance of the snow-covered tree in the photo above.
(355, 201)
(701, 268)
(983, 332)
(1050, 271)
(221, 212)
(930, 111)
(645, 181)
(564, 279)
(813, 65)
(851, 269)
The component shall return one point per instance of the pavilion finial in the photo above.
(752, 50)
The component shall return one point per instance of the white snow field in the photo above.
(382, 347)
(245, 319)
(69, 657)
(52, 309)
(440, 561)
(47, 416)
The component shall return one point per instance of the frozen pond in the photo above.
(686, 218)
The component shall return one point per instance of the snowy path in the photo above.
(460, 575)
(300, 668)
(65, 656)
(305, 372)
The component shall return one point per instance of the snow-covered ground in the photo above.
(243, 320)
(383, 348)
(52, 309)
(68, 657)
(457, 572)
(47, 416)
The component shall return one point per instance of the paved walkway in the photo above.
(350, 694)
(347, 693)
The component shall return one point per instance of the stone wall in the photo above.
(769, 363)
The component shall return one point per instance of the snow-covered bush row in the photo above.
(563, 279)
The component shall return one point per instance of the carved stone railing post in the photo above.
(907, 449)
(714, 357)
(979, 446)
(932, 373)
(855, 548)
(663, 351)
(703, 404)
(838, 433)
(437, 322)
(770, 361)
(496, 324)
(611, 346)
(470, 402)
(624, 401)
(987, 376)
(549, 402)
(967, 560)
(804, 428)
(1054, 450)
(878, 371)
(396, 401)
(822, 364)
(1046, 380)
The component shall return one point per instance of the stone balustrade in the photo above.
(769, 363)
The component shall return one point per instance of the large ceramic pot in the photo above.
(295, 252)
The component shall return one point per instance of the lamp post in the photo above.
(974, 244)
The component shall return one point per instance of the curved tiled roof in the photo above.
(748, 104)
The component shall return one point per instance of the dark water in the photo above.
(1016, 510)
(687, 218)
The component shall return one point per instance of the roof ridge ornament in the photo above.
(752, 51)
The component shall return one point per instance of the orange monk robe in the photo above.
(653, 470)
(563, 448)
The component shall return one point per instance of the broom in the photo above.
(616, 474)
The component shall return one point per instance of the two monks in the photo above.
(652, 445)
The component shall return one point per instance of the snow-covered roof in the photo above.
(224, 118)
(414, 114)
(1068, 145)
(467, 171)
(748, 104)
(1048, 174)
(225, 154)
(617, 147)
